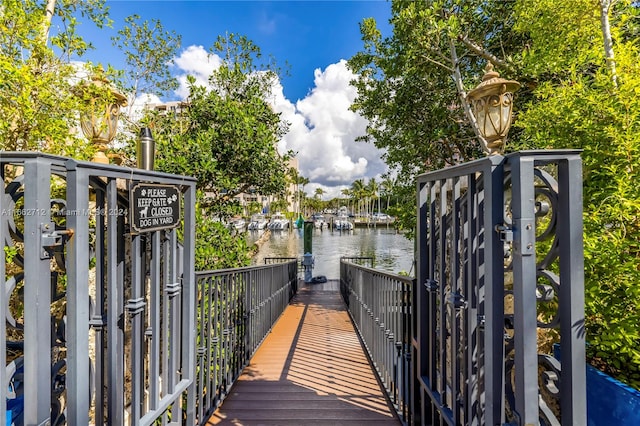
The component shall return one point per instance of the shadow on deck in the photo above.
(311, 369)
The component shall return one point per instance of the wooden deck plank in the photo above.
(311, 370)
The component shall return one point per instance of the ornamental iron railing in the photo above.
(236, 309)
(98, 314)
(379, 304)
(500, 263)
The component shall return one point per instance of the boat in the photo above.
(278, 222)
(342, 223)
(238, 224)
(258, 222)
(318, 221)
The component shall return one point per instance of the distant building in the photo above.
(292, 198)
(174, 107)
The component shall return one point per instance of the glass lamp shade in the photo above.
(99, 123)
(492, 103)
(493, 114)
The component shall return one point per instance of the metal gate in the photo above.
(100, 321)
(500, 261)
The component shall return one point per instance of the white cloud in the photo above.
(142, 102)
(197, 62)
(267, 24)
(323, 132)
(322, 128)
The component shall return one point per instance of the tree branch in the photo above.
(48, 15)
(478, 50)
(437, 63)
(605, 6)
(457, 77)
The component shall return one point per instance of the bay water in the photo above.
(391, 251)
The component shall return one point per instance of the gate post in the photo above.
(524, 289)
(573, 385)
(37, 292)
(78, 296)
(189, 300)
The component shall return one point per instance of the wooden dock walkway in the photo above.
(310, 370)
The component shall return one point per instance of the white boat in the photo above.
(238, 224)
(342, 223)
(278, 222)
(258, 222)
(318, 221)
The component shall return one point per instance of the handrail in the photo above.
(379, 304)
(272, 260)
(360, 260)
(236, 309)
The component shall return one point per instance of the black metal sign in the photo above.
(154, 207)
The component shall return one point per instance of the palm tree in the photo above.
(294, 177)
(303, 181)
(387, 189)
(357, 191)
(372, 191)
(319, 193)
(347, 193)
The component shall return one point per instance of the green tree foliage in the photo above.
(226, 138)
(216, 246)
(37, 97)
(149, 50)
(579, 91)
(279, 205)
(578, 104)
(228, 133)
(412, 85)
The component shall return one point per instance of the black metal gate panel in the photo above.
(500, 258)
(100, 318)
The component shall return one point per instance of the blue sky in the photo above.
(305, 34)
(313, 37)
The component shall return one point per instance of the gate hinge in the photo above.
(50, 238)
(526, 236)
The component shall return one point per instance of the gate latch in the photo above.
(50, 238)
(504, 233)
(506, 236)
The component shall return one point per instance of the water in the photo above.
(392, 252)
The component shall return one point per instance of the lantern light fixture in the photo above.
(100, 123)
(492, 104)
